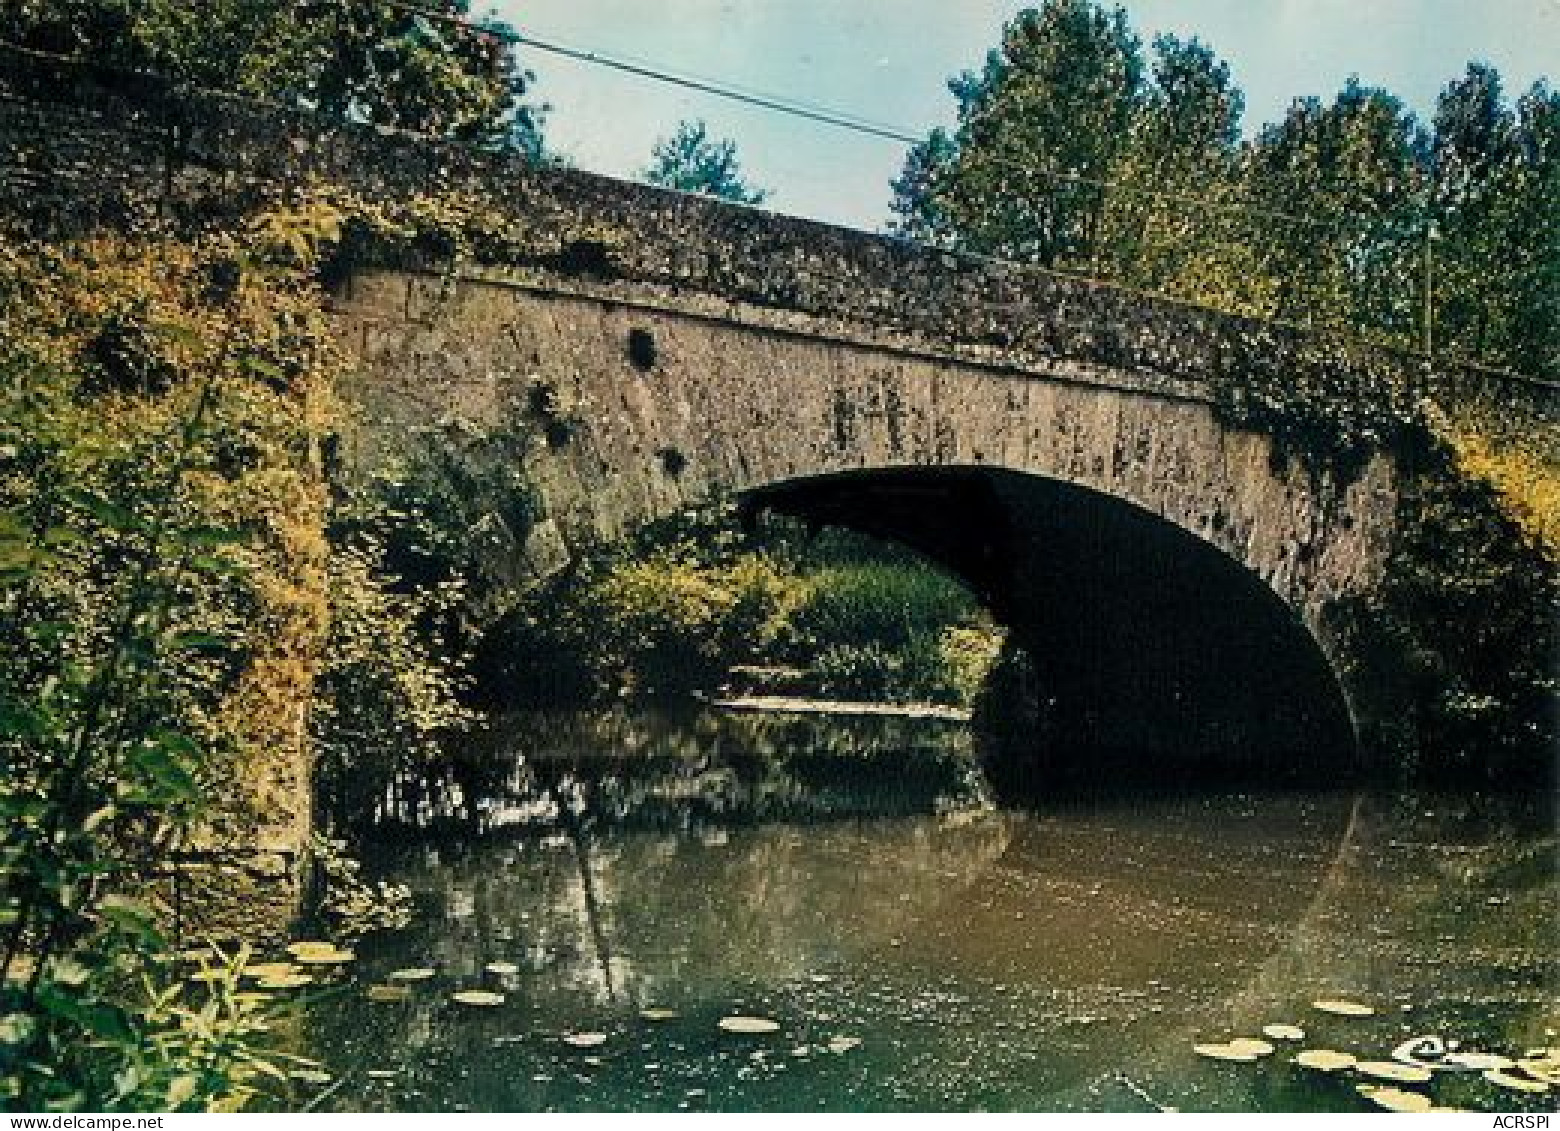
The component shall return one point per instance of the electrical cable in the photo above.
(820, 115)
(842, 120)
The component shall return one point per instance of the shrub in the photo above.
(163, 618)
(667, 625)
(889, 603)
(696, 594)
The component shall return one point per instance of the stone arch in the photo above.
(1158, 654)
(731, 402)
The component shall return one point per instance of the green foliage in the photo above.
(452, 515)
(1350, 172)
(967, 655)
(1067, 156)
(665, 624)
(1182, 143)
(893, 630)
(154, 582)
(143, 1032)
(422, 68)
(691, 161)
(888, 602)
(1464, 626)
(351, 905)
(163, 559)
(676, 609)
(674, 625)
(1036, 126)
(1495, 178)
(420, 573)
(385, 695)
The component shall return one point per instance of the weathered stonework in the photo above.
(76, 153)
(751, 401)
(669, 349)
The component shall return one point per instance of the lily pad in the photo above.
(22, 967)
(1343, 1008)
(477, 997)
(1504, 1079)
(411, 974)
(1284, 1032)
(1325, 1060)
(502, 968)
(742, 1024)
(1225, 1052)
(585, 1040)
(656, 1013)
(17, 1028)
(1392, 1070)
(387, 993)
(1473, 1061)
(1252, 1045)
(1396, 1099)
(285, 982)
(270, 970)
(1544, 1068)
(331, 957)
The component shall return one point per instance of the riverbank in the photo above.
(789, 705)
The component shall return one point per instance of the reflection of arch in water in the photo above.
(1146, 915)
(1157, 649)
(1293, 973)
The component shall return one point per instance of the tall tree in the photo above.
(1038, 128)
(692, 161)
(1169, 219)
(1474, 159)
(1495, 198)
(1534, 345)
(426, 68)
(1349, 177)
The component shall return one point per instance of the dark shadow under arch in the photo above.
(1157, 655)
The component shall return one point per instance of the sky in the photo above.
(888, 62)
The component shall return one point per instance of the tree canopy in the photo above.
(1075, 150)
(428, 68)
(692, 161)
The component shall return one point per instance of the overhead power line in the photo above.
(829, 117)
(705, 86)
(842, 120)
(846, 121)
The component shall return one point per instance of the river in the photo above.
(915, 946)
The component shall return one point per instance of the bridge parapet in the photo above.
(80, 149)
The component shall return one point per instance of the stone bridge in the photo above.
(1186, 515)
(1177, 577)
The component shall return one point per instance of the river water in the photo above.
(916, 947)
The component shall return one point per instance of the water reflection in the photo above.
(1056, 959)
(685, 766)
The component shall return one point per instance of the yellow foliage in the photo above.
(266, 348)
(1524, 470)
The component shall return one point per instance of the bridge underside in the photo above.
(1156, 655)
